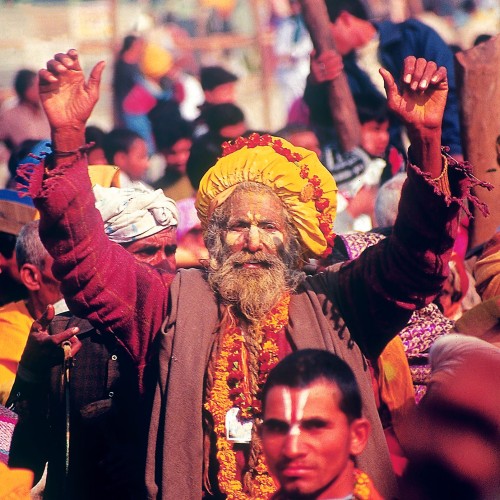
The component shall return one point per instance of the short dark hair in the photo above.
(167, 132)
(118, 140)
(371, 108)
(219, 116)
(354, 7)
(304, 367)
(22, 82)
(213, 76)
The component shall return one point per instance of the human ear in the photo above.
(360, 431)
(30, 276)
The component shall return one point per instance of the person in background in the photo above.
(224, 121)
(173, 138)
(301, 135)
(95, 154)
(149, 92)
(126, 74)
(219, 87)
(25, 119)
(107, 430)
(34, 265)
(127, 150)
(14, 213)
(313, 429)
(362, 47)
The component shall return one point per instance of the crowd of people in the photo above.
(191, 308)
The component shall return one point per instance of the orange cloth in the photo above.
(15, 484)
(15, 325)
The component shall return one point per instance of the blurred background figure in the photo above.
(173, 138)
(126, 74)
(24, 119)
(14, 213)
(127, 150)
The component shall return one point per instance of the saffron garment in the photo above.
(15, 325)
(353, 312)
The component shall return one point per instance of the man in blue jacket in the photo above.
(364, 46)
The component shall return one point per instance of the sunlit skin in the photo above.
(375, 137)
(157, 250)
(308, 441)
(135, 161)
(177, 156)
(256, 223)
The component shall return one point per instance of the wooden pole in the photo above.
(478, 79)
(342, 107)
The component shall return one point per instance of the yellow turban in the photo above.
(297, 177)
(156, 61)
(487, 269)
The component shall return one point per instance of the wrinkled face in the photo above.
(256, 223)
(136, 161)
(177, 156)
(375, 137)
(307, 441)
(157, 250)
(221, 94)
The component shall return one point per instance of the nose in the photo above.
(292, 447)
(254, 241)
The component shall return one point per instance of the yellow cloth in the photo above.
(104, 175)
(15, 325)
(156, 61)
(306, 188)
(395, 382)
(487, 270)
(15, 484)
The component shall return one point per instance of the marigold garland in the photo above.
(230, 389)
(310, 191)
(363, 487)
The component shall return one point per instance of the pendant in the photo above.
(238, 429)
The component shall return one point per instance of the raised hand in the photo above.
(66, 97)
(421, 100)
(42, 350)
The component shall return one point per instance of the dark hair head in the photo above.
(213, 76)
(94, 134)
(118, 140)
(128, 41)
(371, 108)
(7, 244)
(220, 115)
(302, 368)
(354, 7)
(23, 81)
(168, 131)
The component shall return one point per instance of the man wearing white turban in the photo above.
(106, 456)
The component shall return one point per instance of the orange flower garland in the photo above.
(231, 390)
(364, 488)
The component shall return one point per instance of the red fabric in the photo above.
(138, 101)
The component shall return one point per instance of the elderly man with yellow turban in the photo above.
(266, 208)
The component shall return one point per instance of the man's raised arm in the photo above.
(100, 280)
